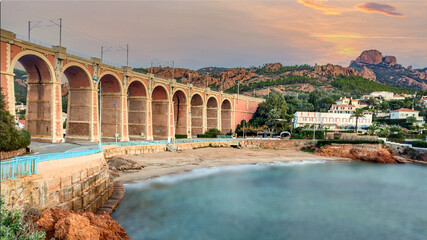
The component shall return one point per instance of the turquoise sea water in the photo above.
(322, 200)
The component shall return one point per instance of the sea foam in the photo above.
(206, 172)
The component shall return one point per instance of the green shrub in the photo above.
(213, 131)
(419, 144)
(321, 143)
(178, 136)
(14, 225)
(308, 134)
(206, 136)
(10, 137)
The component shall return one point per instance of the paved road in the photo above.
(43, 148)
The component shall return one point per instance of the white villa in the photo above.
(383, 95)
(404, 113)
(331, 120)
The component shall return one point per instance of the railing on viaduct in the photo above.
(104, 100)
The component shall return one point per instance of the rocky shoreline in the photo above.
(363, 152)
(65, 224)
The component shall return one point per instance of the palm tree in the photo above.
(373, 128)
(357, 114)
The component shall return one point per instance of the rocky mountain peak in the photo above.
(370, 57)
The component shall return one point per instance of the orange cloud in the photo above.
(371, 7)
(359, 36)
(320, 6)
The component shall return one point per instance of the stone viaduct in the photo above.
(131, 102)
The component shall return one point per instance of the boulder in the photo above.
(66, 224)
(370, 57)
(390, 60)
(368, 73)
(364, 152)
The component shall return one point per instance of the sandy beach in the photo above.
(166, 163)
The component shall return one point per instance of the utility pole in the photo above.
(207, 80)
(238, 90)
(29, 29)
(151, 69)
(189, 77)
(115, 135)
(100, 115)
(127, 54)
(173, 69)
(102, 53)
(244, 123)
(60, 29)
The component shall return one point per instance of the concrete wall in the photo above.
(79, 184)
(12, 154)
(276, 144)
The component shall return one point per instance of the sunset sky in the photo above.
(197, 34)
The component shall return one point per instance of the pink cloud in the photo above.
(320, 6)
(371, 7)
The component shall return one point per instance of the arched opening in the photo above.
(20, 82)
(137, 111)
(180, 113)
(77, 105)
(36, 89)
(159, 111)
(226, 116)
(111, 108)
(196, 115)
(212, 113)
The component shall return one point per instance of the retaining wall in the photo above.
(277, 144)
(79, 184)
(113, 151)
(12, 154)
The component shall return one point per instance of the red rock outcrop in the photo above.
(390, 60)
(273, 66)
(363, 152)
(68, 225)
(370, 57)
(334, 70)
(368, 73)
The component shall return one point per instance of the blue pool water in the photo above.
(321, 200)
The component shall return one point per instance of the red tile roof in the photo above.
(405, 110)
(22, 122)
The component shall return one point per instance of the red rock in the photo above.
(65, 224)
(334, 70)
(363, 152)
(370, 57)
(368, 73)
(390, 60)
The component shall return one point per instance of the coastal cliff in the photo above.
(364, 152)
(66, 224)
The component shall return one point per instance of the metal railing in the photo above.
(28, 165)
(195, 140)
(24, 166)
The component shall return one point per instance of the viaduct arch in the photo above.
(104, 100)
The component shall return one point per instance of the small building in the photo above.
(383, 95)
(20, 124)
(348, 101)
(337, 121)
(404, 113)
(64, 117)
(423, 101)
(342, 108)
